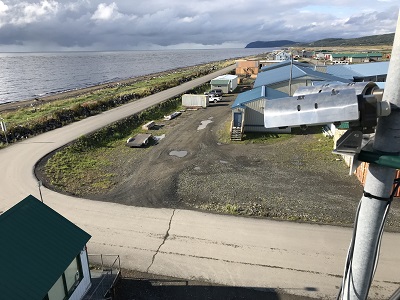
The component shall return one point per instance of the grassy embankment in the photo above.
(86, 165)
(30, 121)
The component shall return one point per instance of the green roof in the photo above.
(343, 125)
(220, 81)
(356, 55)
(37, 245)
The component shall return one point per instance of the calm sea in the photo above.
(25, 76)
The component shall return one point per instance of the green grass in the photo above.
(27, 116)
(224, 136)
(265, 138)
(85, 166)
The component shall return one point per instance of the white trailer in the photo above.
(227, 83)
(190, 100)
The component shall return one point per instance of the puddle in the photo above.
(178, 153)
(204, 124)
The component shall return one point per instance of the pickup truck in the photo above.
(214, 98)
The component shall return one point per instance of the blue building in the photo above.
(287, 77)
(248, 112)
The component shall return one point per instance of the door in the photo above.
(237, 119)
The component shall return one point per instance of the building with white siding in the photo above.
(227, 83)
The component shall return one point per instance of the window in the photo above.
(72, 275)
(57, 292)
(68, 281)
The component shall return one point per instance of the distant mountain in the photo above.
(383, 39)
(270, 44)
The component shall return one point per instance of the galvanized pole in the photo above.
(291, 74)
(377, 189)
(4, 129)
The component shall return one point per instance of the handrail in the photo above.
(108, 272)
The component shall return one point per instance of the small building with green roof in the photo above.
(43, 255)
(227, 83)
(354, 57)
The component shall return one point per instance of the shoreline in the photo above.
(11, 106)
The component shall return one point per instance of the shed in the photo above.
(248, 112)
(43, 255)
(227, 83)
(354, 57)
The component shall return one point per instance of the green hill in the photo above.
(382, 39)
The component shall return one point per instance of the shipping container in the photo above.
(190, 100)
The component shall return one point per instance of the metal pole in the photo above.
(40, 191)
(291, 74)
(4, 128)
(377, 189)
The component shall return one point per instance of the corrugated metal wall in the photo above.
(362, 171)
(254, 118)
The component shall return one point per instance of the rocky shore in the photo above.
(10, 106)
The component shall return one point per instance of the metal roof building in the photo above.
(284, 63)
(278, 77)
(374, 71)
(39, 248)
(248, 112)
(227, 83)
(260, 92)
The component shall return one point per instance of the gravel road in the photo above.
(191, 168)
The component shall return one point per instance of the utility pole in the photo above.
(378, 186)
(4, 129)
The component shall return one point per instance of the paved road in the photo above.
(300, 259)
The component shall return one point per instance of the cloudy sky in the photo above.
(47, 25)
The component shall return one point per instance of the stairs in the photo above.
(236, 134)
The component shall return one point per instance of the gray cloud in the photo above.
(35, 25)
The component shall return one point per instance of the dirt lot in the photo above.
(196, 167)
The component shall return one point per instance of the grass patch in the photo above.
(265, 138)
(31, 121)
(224, 136)
(84, 166)
(76, 171)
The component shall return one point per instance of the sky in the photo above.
(101, 25)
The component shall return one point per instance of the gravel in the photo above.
(294, 178)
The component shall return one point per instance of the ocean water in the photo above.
(25, 76)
